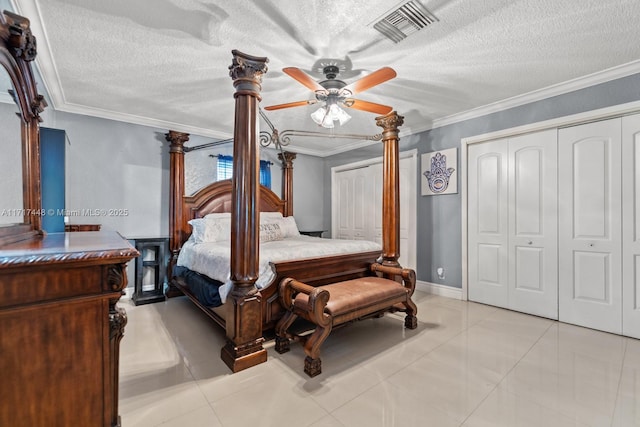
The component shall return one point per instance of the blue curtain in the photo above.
(225, 170)
(265, 173)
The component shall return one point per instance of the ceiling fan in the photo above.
(336, 93)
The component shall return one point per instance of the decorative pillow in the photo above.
(270, 233)
(289, 227)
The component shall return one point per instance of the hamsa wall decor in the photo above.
(439, 174)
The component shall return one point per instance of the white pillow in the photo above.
(289, 227)
(211, 229)
(270, 215)
(270, 233)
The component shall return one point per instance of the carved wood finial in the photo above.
(38, 104)
(21, 41)
(246, 72)
(177, 140)
(390, 124)
(287, 158)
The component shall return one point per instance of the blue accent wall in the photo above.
(52, 163)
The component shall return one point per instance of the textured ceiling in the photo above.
(165, 63)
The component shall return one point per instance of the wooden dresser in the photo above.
(60, 329)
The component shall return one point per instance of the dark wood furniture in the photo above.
(339, 303)
(248, 313)
(17, 51)
(60, 329)
(81, 227)
(312, 233)
(150, 264)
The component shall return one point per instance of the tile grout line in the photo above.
(615, 403)
(507, 374)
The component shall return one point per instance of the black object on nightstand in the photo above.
(151, 264)
(313, 233)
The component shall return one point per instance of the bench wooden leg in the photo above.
(282, 340)
(282, 345)
(312, 364)
(312, 367)
(411, 321)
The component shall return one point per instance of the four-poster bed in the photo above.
(249, 312)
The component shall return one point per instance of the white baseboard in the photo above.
(441, 290)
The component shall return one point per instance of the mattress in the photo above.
(213, 259)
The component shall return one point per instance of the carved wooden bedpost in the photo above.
(287, 159)
(176, 191)
(244, 317)
(391, 188)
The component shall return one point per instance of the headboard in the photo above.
(216, 197)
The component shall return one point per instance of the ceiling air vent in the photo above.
(404, 21)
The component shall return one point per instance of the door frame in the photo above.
(413, 154)
(559, 122)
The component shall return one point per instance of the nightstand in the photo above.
(150, 270)
(313, 233)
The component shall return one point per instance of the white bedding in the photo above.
(213, 258)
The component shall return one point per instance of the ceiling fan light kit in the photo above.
(336, 94)
(325, 116)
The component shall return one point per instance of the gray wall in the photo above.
(113, 165)
(439, 228)
(11, 200)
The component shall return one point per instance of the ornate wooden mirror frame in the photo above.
(17, 50)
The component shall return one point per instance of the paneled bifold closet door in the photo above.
(354, 196)
(631, 226)
(533, 227)
(590, 211)
(487, 217)
(512, 223)
(359, 206)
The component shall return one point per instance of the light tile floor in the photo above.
(467, 365)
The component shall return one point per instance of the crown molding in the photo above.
(610, 74)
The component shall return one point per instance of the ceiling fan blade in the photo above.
(289, 105)
(371, 107)
(371, 80)
(303, 78)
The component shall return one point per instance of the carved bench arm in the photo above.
(318, 299)
(408, 275)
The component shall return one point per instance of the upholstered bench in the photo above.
(338, 303)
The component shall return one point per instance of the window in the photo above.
(225, 170)
(225, 167)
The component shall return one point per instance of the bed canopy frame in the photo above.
(247, 311)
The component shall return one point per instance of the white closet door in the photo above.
(487, 223)
(408, 194)
(631, 226)
(533, 238)
(589, 198)
(376, 178)
(354, 195)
